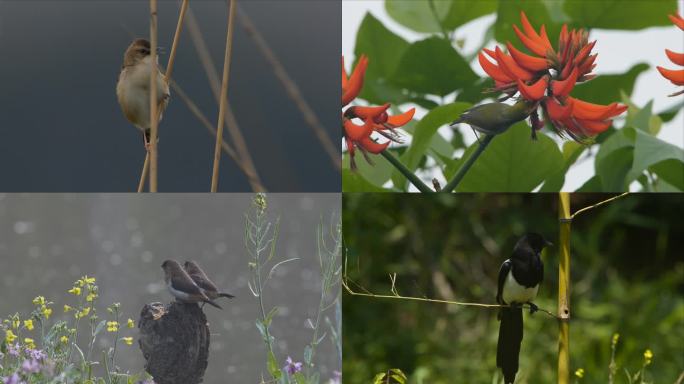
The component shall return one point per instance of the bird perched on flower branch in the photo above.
(544, 79)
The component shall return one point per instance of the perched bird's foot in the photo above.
(533, 308)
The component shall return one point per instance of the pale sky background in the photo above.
(618, 51)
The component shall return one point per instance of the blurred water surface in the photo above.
(47, 241)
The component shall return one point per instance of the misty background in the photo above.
(49, 241)
(61, 128)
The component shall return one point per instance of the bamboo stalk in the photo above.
(154, 115)
(224, 96)
(564, 289)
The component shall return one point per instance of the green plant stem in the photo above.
(406, 172)
(469, 163)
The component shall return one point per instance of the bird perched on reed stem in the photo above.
(133, 87)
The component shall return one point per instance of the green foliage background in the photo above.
(432, 70)
(627, 277)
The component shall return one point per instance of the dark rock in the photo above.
(174, 340)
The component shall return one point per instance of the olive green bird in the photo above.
(495, 118)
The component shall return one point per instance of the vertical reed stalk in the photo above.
(154, 115)
(224, 96)
(143, 175)
(564, 289)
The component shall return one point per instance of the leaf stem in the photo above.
(406, 172)
(469, 163)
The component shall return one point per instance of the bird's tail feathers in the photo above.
(508, 346)
(212, 303)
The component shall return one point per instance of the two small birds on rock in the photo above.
(191, 284)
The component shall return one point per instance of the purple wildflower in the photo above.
(292, 367)
(14, 350)
(14, 379)
(36, 354)
(336, 378)
(30, 366)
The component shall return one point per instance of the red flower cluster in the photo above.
(548, 76)
(375, 119)
(675, 76)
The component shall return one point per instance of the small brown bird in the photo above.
(200, 278)
(133, 88)
(181, 285)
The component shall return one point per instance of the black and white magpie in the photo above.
(519, 279)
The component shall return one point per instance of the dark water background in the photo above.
(61, 129)
(47, 241)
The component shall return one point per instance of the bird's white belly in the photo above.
(514, 292)
(180, 295)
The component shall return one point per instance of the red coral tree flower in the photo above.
(375, 119)
(675, 76)
(548, 75)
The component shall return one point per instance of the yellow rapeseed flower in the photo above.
(112, 326)
(46, 311)
(30, 344)
(9, 336)
(28, 324)
(648, 356)
(130, 323)
(16, 323)
(88, 280)
(67, 308)
(64, 339)
(616, 337)
(75, 290)
(82, 313)
(39, 300)
(127, 340)
(579, 373)
(91, 296)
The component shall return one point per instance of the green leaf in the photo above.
(419, 15)
(384, 49)
(513, 163)
(392, 376)
(537, 13)
(613, 169)
(670, 113)
(432, 66)
(672, 172)
(571, 151)
(614, 160)
(606, 89)
(272, 366)
(462, 11)
(269, 316)
(649, 151)
(620, 14)
(425, 129)
(354, 182)
(642, 118)
(591, 185)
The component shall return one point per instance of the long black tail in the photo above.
(510, 337)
